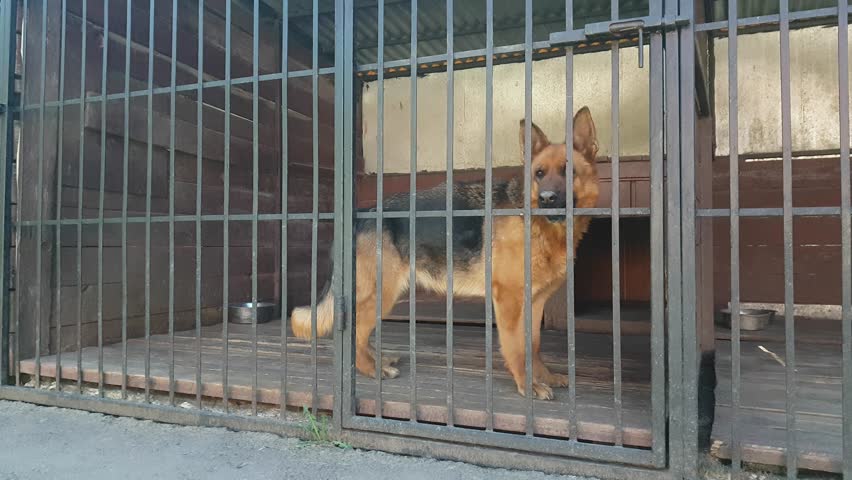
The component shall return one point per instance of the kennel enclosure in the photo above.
(165, 159)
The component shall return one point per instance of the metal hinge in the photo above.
(618, 29)
(340, 312)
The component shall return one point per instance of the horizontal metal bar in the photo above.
(770, 212)
(242, 217)
(358, 439)
(508, 212)
(542, 445)
(829, 14)
(186, 87)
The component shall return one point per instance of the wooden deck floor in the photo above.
(762, 419)
(595, 412)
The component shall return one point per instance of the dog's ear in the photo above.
(585, 134)
(538, 139)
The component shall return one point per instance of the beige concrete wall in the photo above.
(592, 87)
(814, 104)
(813, 91)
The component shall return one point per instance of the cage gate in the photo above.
(435, 372)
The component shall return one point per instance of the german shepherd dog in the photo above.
(548, 254)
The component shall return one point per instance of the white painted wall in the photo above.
(814, 105)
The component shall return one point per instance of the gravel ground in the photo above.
(41, 442)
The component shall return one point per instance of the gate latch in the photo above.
(618, 29)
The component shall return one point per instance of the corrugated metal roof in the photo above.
(469, 21)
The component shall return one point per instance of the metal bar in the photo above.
(185, 87)
(571, 320)
(510, 441)
(18, 235)
(845, 229)
(528, 321)
(242, 217)
(285, 32)
(172, 121)
(124, 194)
(449, 215)
(254, 194)
(40, 197)
(340, 178)
(315, 220)
(787, 176)
(226, 209)
(412, 224)
(771, 20)
(734, 175)
(690, 360)
(148, 181)
(199, 166)
(489, 219)
(380, 171)
(348, 379)
(616, 242)
(658, 285)
(673, 250)
(771, 212)
(8, 43)
(59, 166)
(101, 196)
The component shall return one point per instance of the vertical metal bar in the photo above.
(686, 104)
(104, 62)
(172, 121)
(412, 222)
(59, 165)
(199, 160)
(254, 199)
(528, 322)
(226, 209)
(571, 320)
(489, 219)
(80, 162)
(616, 242)
(148, 181)
(346, 69)
(449, 211)
(845, 229)
(734, 174)
(339, 224)
(380, 167)
(8, 39)
(673, 250)
(285, 32)
(787, 167)
(315, 196)
(24, 31)
(658, 285)
(124, 194)
(40, 197)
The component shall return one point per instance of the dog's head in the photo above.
(549, 166)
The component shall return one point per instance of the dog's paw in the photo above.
(389, 372)
(557, 380)
(540, 391)
(389, 360)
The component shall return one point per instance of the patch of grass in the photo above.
(318, 430)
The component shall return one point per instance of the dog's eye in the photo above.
(539, 173)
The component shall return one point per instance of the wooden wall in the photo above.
(816, 240)
(212, 185)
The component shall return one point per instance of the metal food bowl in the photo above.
(242, 312)
(751, 319)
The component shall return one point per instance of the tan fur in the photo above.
(548, 261)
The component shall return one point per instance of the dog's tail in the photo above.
(301, 318)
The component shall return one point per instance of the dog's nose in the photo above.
(546, 198)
